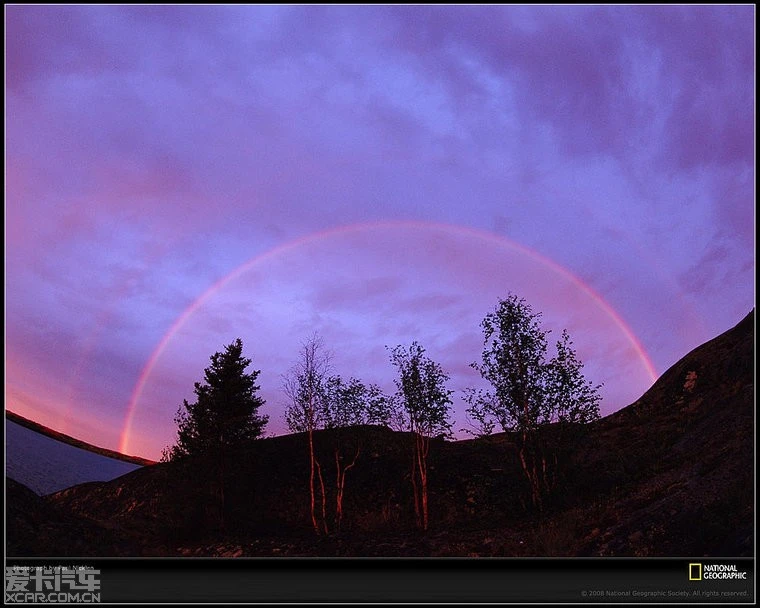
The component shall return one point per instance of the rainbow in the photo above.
(484, 236)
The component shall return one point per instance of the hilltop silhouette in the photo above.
(669, 475)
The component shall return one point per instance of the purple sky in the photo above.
(375, 174)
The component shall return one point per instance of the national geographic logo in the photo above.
(698, 572)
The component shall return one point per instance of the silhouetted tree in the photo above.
(425, 403)
(319, 400)
(224, 415)
(542, 401)
(347, 406)
(305, 387)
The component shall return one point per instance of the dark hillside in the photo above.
(267, 493)
(670, 475)
(36, 528)
(677, 466)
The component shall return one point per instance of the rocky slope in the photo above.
(36, 527)
(680, 460)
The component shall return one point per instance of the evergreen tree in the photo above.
(225, 413)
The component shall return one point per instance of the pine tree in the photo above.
(223, 417)
(225, 413)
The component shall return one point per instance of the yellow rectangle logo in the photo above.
(695, 572)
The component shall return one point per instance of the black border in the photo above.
(409, 580)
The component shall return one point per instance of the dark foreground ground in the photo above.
(670, 475)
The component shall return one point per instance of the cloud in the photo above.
(152, 150)
(44, 42)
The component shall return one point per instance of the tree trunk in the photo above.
(419, 468)
(537, 483)
(338, 491)
(341, 483)
(324, 498)
(424, 445)
(528, 462)
(417, 514)
(528, 455)
(311, 481)
(221, 492)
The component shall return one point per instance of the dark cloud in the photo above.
(52, 41)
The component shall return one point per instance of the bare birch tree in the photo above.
(304, 385)
(349, 405)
